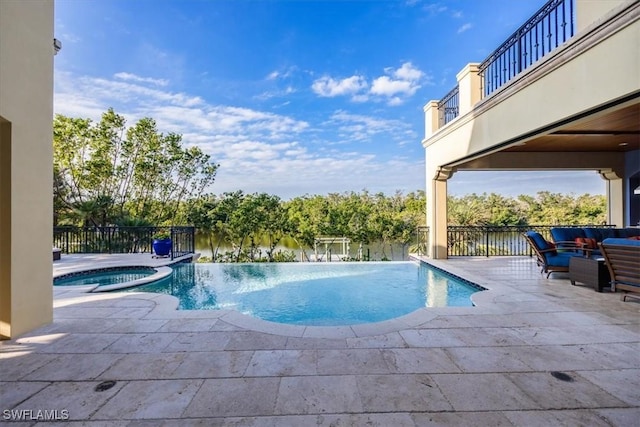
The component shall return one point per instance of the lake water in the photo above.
(376, 251)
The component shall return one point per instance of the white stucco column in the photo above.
(469, 88)
(26, 159)
(616, 201)
(437, 210)
(431, 121)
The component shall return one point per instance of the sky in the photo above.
(291, 97)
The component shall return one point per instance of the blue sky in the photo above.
(291, 97)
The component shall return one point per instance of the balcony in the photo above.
(547, 29)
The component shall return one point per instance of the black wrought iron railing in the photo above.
(490, 240)
(183, 240)
(547, 29)
(110, 240)
(448, 107)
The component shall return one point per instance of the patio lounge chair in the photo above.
(623, 260)
(548, 257)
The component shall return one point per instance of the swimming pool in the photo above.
(104, 277)
(314, 294)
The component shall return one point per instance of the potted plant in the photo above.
(162, 243)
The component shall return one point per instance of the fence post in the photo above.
(173, 243)
(192, 249)
(486, 246)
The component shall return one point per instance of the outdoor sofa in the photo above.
(588, 238)
(622, 256)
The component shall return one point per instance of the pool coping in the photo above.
(161, 273)
(166, 308)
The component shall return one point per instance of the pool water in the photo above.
(103, 278)
(328, 294)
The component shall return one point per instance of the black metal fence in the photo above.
(547, 29)
(490, 240)
(448, 107)
(120, 240)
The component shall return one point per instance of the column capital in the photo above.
(470, 68)
(444, 173)
(610, 174)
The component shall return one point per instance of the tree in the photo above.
(137, 171)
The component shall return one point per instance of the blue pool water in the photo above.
(102, 278)
(328, 294)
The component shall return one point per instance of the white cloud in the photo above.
(138, 79)
(281, 74)
(408, 72)
(275, 93)
(394, 87)
(465, 27)
(387, 87)
(435, 8)
(399, 83)
(361, 97)
(356, 127)
(330, 87)
(395, 100)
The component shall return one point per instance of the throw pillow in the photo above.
(586, 242)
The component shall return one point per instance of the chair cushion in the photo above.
(599, 233)
(566, 234)
(625, 242)
(627, 232)
(539, 241)
(561, 259)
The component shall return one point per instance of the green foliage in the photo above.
(104, 172)
(162, 235)
(544, 209)
(253, 221)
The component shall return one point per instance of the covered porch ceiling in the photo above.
(616, 130)
(611, 130)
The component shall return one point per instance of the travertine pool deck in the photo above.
(488, 365)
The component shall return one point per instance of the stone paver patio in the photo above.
(488, 365)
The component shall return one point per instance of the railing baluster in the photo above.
(493, 71)
(448, 107)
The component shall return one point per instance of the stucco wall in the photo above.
(590, 11)
(26, 108)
